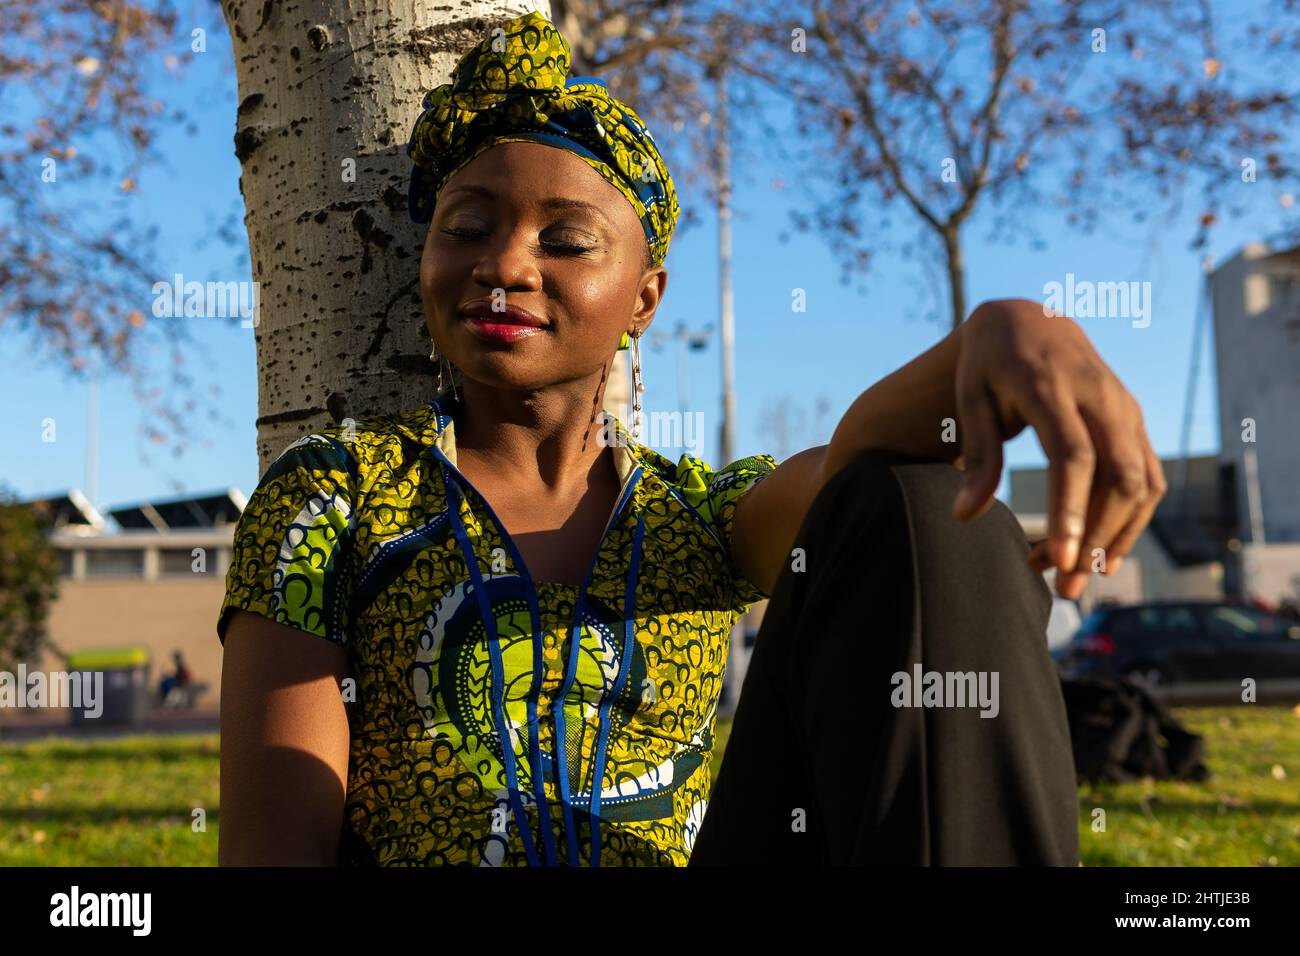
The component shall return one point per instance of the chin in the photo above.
(538, 361)
(503, 371)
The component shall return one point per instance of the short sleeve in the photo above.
(717, 495)
(290, 557)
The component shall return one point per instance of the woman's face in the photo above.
(535, 227)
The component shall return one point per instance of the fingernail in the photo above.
(1070, 552)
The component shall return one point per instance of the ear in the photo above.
(650, 294)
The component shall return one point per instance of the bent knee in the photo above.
(990, 550)
(871, 492)
(926, 490)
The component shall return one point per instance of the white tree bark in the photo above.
(325, 87)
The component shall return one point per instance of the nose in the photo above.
(507, 262)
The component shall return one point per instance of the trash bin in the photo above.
(124, 695)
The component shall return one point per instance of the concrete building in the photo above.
(1256, 300)
(152, 576)
(1229, 526)
(1180, 555)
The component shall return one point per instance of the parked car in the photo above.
(1191, 641)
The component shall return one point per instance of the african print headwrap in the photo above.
(514, 86)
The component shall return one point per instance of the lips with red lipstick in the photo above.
(509, 325)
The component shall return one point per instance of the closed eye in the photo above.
(551, 244)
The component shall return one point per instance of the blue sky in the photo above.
(841, 345)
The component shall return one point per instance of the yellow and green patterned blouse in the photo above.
(500, 720)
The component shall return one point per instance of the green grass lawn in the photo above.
(131, 801)
(1246, 814)
(118, 802)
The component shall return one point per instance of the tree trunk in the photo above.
(326, 89)
(956, 273)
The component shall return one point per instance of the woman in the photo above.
(526, 612)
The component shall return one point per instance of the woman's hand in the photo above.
(1018, 366)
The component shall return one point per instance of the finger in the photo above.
(981, 450)
(1040, 561)
(1070, 463)
(1129, 534)
(1119, 486)
(1071, 584)
(1038, 558)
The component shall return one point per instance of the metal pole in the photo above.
(92, 441)
(737, 657)
(1189, 402)
(727, 435)
(683, 396)
(1254, 500)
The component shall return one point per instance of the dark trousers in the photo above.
(824, 765)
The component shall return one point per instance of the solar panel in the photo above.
(204, 511)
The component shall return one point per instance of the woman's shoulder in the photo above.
(693, 474)
(689, 472)
(712, 496)
(359, 444)
(711, 492)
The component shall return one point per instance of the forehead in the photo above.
(527, 174)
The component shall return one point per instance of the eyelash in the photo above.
(569, 248)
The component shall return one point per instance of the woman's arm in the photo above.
(1008, 366)
(904, 412)
(284, 745)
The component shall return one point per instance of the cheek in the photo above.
(438, 272)
(433, 260)
(601, 307)
(426, 268)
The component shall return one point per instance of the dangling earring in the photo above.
(445, 376)
(433, 358)
(451, 378)
(637, 386)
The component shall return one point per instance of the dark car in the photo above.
(1176, 642)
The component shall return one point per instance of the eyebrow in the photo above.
(552, 202)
